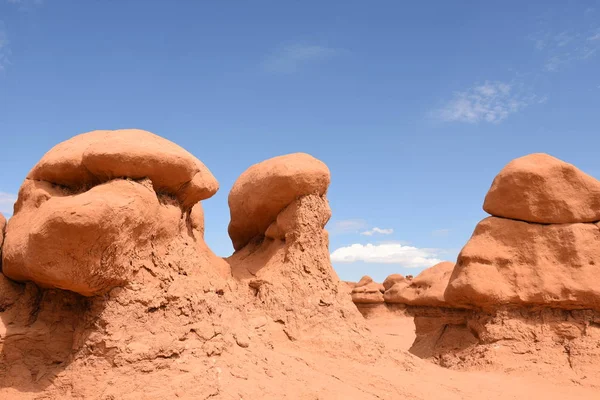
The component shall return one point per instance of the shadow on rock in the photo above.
(39, 334)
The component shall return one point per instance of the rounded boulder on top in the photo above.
(94, 203)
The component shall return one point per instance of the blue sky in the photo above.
(414, 107)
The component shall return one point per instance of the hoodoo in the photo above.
(96, 204)
(113, 290)
(525, 287)
(262, 192)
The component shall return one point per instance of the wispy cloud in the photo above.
(346, 226)
(375, 230)
(594, 36)
(569, 44)
(290, 58)
(26, 5)
(7, 200)
(492, 101)
(387, 253)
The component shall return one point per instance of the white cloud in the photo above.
(7, 200)
(440, 232)
(375, 230)
(386, 253)
(492, 101)
(291, 57)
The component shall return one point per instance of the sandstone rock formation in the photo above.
(122, 299)
(161, 316)
(543, 189)
(508, 262)
(426, 289)
(99, 156)
(370, 293)
(524, 289)
(391, 280)
(284, 178)
(284, 243)
(96, 203)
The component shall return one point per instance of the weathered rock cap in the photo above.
(515, 263)
(365, 280)
(543, 189)
(426, 289)
(391, 280)
(99, 156)
(369, 293)
(266, 188)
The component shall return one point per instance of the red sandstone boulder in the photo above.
(426, 289)
(509, 262)
(392, 280)
(82, 243)
(99, 156)
(369, 293)
(266, 188)
(366, 291)
(543, 189)
(101, 202)
(365, 280)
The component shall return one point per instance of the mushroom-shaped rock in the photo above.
(543, 189)
(426, 289)
(509, 262)
(365, 280)
(99, 156)
(368, 294)
(392, 280)
(266, 188)
(98, 206)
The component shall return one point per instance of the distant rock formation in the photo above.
(401, 296)
(366, 291)
(391, 280)
(426, 289)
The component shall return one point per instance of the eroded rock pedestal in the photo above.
(113, 292)
(525, 294)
